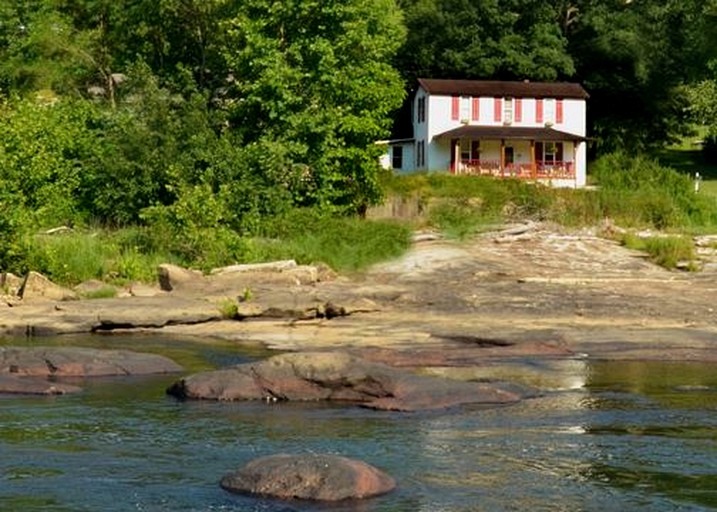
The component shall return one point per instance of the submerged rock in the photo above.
(80, 362)
(36, 370)
(339, 377)
(12, 385)
(309, 477)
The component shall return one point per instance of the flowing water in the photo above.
(608, 436)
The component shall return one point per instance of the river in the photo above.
(615, 436)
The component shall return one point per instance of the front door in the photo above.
(509, 156)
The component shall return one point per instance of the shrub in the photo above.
(666, 251)
(638, 191)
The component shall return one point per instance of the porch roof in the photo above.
(508, 132)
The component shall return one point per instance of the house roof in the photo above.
(503, 89)
(508, 132)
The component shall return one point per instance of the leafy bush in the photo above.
(13, 219)
(636, 190)
(42, 151)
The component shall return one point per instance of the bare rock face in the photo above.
(80, 362)
(337, 376)
(309, 477)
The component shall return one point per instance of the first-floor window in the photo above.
(550, 153)
(397, 161)
(420, 153)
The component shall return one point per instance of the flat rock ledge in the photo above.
(313, 477)
(26, 370)
(337, 376)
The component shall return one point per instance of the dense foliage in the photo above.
(194, 118)
(194, 125)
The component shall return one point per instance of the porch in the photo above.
(535, 170)
(512, 152)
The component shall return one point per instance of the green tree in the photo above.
(43, 152)
(633, 57)
(485, 39)
(312, 84)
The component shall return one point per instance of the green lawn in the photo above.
(687, 158)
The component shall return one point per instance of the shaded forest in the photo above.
(207, 120)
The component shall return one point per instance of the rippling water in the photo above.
(620, 436)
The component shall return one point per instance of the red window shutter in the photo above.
(475, 110)
(558, 111)
(518, 114)
(497, 109)
(539, 111)
(539, 151)
(455, 108)
(559, 151)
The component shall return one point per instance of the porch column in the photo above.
(452, 151)
(457, 156)
(575, 161)
(502, 158)
(533, 165)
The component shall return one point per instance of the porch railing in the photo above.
(539, 170)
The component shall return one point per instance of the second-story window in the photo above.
(549, 106)
(421, 108)
(465, 108)
(508, 110)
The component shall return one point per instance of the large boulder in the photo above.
(337, 376)
(173, 276)
(35, 286)
(80, 362)
(309, 477)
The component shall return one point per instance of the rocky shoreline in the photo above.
(532, 292)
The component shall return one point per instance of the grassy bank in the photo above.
(121, 256)
(632, 192)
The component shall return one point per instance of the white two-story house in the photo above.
(525, 130)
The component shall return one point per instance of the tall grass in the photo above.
(73, 257)
(343, 243)
(666, 251)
